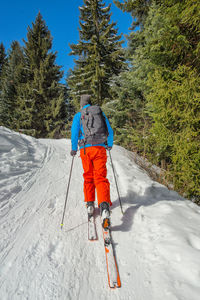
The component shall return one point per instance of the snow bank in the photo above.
(156, 240)
(168, 235)
(20, 158)
(163, 234)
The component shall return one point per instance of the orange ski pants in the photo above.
(94, 165)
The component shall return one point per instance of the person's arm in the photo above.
(75, 131)
(110, 133)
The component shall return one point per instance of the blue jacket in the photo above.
(77, 128)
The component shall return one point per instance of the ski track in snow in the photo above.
(156, 241)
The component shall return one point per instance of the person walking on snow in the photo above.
(94, 157)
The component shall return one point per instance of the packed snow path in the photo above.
(157, 240)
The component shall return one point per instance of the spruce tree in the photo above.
(128, 114)
(164, 70)
(130, 119)
(41, 97)
(99, 51)
(138, 8)
(174, 95)
(70, 108)
(2, 58)
(12, 76)
(2, 63)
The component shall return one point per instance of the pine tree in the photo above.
(130, 119)
(12, 76)
(41, 97)
(164, 70)
(175, 108)
(174, 95)
(2, 58)
(70, 108)
(99, 51)
(2, 64)
(138, 8)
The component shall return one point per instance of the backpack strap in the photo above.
(80, 132)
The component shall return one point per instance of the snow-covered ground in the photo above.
(157, 240)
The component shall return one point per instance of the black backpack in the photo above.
(94, 126)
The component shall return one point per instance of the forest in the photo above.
(149, 90)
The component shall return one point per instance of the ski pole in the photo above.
(62, 223)
(116, 183)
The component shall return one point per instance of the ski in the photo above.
(92, 233)
(112, 269)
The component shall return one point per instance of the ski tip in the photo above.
(118, 282)
(61, 226)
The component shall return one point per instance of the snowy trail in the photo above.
(156, 241)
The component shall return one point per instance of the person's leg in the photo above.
(89, 187)
(99, 159)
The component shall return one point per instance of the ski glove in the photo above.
(73, 152)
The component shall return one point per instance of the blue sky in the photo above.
(61, 17)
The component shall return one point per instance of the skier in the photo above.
(93, 155)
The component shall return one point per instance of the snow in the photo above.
(156, 241)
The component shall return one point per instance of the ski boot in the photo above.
(105, 214)
(90, 208)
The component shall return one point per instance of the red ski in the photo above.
(112, 269)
